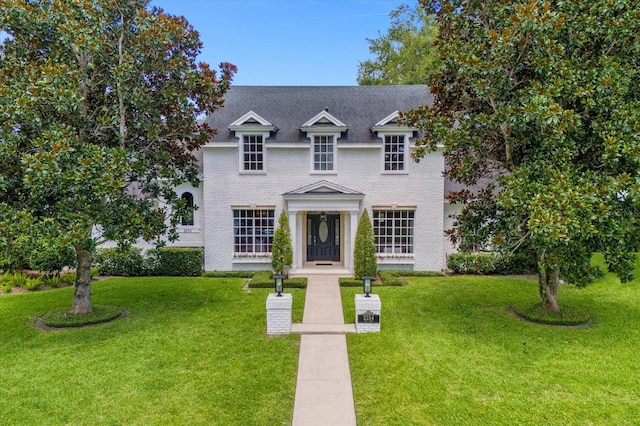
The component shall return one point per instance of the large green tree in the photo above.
(99, 109)
(537, 104)
(406, 53)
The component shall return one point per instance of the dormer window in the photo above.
(394, 150)
(323, 153)
(395, 142)
(252, 130)
(252, 152)
(324, 130)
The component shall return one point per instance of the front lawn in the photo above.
(450, 354)
(191, 351)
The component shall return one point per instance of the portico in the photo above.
(323, 218)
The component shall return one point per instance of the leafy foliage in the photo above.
(281, 250)
(364, 256)
(122, 261)
(229, 274)
(89, 83)
(264, 279)
(176, 261)
(52, 281)
(6, 282)
(406, 54)
(166, 261)
(537, 105)
(32, 283)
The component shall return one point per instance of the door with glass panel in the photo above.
(323, 237)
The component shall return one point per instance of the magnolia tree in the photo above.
(537, 104)
(99, 109)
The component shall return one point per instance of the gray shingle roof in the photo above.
(289, 107)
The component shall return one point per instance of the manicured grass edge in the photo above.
(568, 315)
(63, 318)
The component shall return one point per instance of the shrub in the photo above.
(175, 261)
(229, 274)
(392, 278)
(52, 281)
(32, 283)
(50, 256)
(128, 262)
(350, 282)
(18, 279)
(281, 251)
(264, 279)
(520, 262)
(472, 263)
(6, 282)
(68, 277)
(364, 257)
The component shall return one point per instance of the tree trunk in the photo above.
(82, 286)
(548, 280)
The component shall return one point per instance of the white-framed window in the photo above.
(393, 231)
(188, 219)
(394, 152)
(253, 230)
(323, 153)
(252, 153)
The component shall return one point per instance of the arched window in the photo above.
(187, 219)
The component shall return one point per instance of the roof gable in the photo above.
(251, 122)
(390, 123)
(323, 187)
(324, 118)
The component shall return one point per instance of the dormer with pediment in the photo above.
(323, 130)
(396, 139)
(252, 131)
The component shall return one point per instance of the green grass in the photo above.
(59, 318)
(192, 351)
(449, 353)
(567, 316)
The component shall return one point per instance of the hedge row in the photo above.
(491, 263)
(264, 279)
(259, 279)
(132, 262)
(390, 278)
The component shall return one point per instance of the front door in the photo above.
(323, 237)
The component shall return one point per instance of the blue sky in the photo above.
(287, 42)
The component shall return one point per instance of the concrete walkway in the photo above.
(323, 391)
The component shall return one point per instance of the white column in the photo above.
(295, 241)
(353, 225)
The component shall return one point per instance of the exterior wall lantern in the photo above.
(366, 285)
(279, 284)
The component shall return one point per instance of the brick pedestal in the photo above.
(368, 311)
(279, 313)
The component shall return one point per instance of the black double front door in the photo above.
(323, 237)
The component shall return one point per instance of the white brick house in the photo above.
(321, 154)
